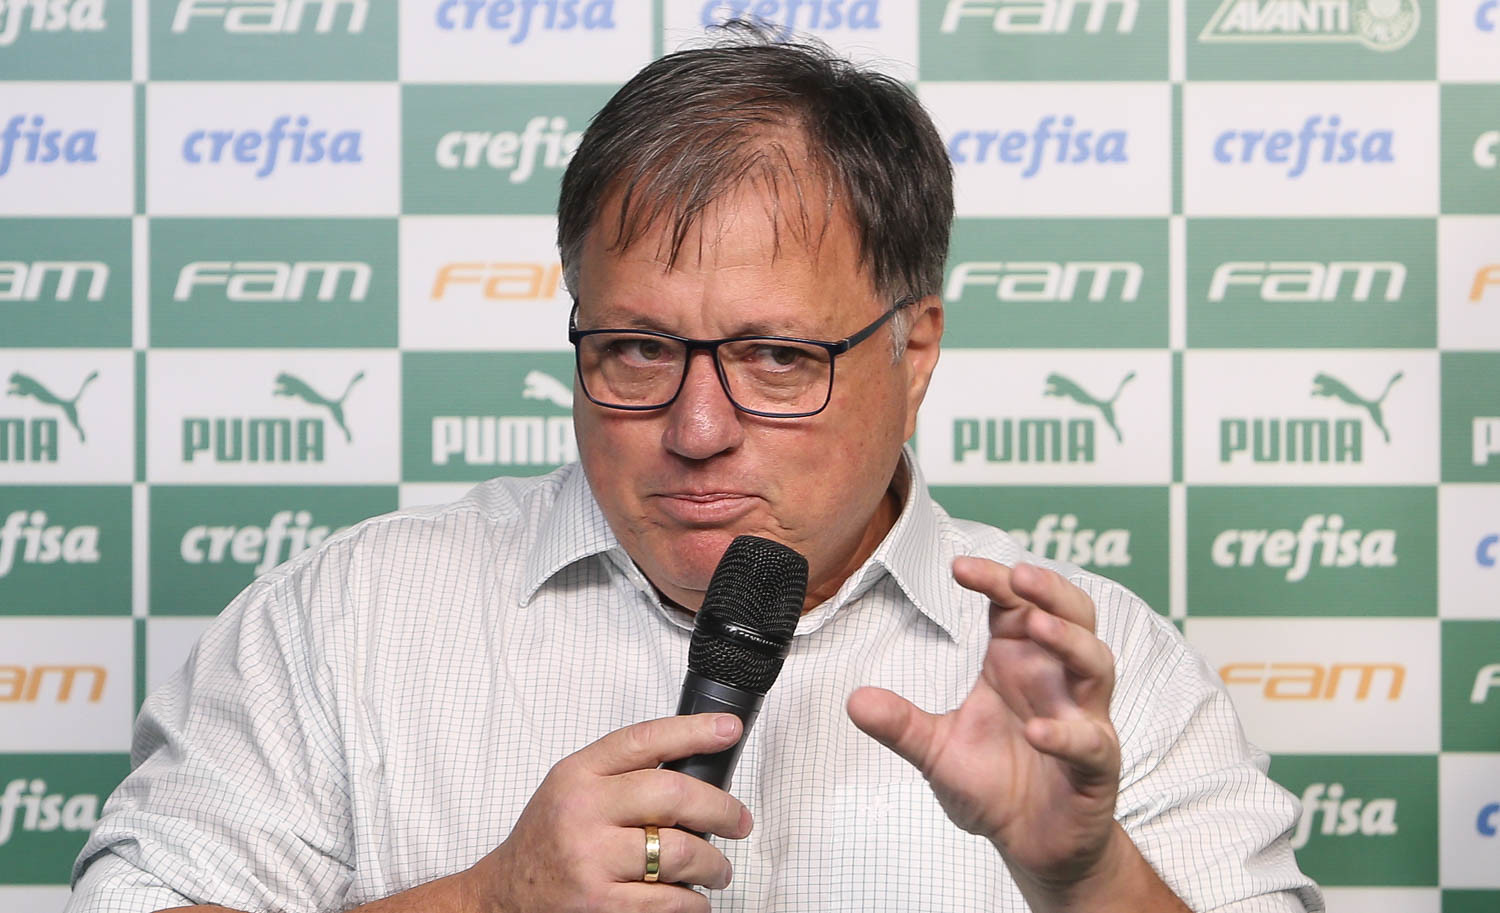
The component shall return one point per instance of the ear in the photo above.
(921, 355)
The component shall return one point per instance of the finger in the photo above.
(894, 722)
(644, 745)
(641, 897)
(1080, 652)
(1049, 590)
(1088, 747)
(670, 799)
(1023, 586)
(990, 578)
(685, 858)
(1019, 672)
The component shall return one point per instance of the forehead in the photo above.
(779, 215)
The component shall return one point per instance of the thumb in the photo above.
(894, 722)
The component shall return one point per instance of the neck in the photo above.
(879, 527)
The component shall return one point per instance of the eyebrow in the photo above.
(611, 319)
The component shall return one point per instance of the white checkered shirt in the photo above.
(376, 713)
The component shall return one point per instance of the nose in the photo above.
(702, 422)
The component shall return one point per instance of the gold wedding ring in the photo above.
(653, 853)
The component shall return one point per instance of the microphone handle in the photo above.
(704, 695)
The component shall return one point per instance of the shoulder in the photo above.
(495, 520)
(408, 566)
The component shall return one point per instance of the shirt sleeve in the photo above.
(238, 795)
(1194, 795)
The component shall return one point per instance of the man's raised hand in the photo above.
(1030, 759)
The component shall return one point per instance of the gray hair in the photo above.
(692, 126)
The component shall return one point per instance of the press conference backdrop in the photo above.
(1223, 323)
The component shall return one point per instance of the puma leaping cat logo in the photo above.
(1328, 385)
(23, 385)
(288, 385)
(541, 385)
(1057, 385)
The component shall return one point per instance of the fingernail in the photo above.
(746, 822)
(724, 725)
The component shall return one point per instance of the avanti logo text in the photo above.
(1342, 816)
(1381, 25)
(1488, 822)
(500, 281)
(255, 147)
(1054, 140)
(1316, 141)
(1042, 17)
(518, 16)
(1307, 281)
(285, 537)
(1486, 438)
(49, 16)
(1314, 681)
(1060, 539)
(43, 145)
(44, 812)
(27, 536)
(269, 280)
(1039, 281)
(35, 439)
(24, 684)
(1487, 16)
(1041, 439)
(21, 281)
(1306, 440)
(278, 439)
(506, 150)
(796, 15)
(270, 17)
(1325, 537)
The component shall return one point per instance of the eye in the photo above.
(640, 350)
(780, 356)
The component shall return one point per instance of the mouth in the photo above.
(705, 509)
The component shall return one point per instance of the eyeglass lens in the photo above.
(763, 375)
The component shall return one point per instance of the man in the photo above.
(440, 709)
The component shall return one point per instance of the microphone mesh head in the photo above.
(745, 626)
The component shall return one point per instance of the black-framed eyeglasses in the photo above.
(770, 376)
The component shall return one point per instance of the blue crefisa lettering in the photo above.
(1487, 15)
(33, 142)
(519, 17)
(1318, 140)
(1488, 823)
(1487, 553)
(251, 147)
(1051, 141)
(795, 15)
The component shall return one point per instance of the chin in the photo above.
(688, 557)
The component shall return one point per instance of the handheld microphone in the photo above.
(740, 638)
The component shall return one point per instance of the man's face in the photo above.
(678, 484)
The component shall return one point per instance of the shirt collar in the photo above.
(917, 552)
(572, 530)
